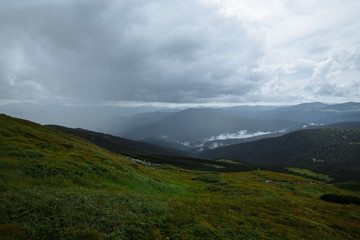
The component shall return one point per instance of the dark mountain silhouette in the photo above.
(166, 144)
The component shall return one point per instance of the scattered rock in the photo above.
(142, 162)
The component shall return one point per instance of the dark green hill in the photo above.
(153, 153)
(166, 144)
(119, 145)
(341, 125)
(55, 185)
(330, 147)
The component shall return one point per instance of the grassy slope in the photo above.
(117, 144)
(153, 153)
(57, 186)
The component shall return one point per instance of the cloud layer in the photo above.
(181, 51)
(238, 135)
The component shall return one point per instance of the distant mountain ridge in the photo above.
(311, 147)
(317, 112)
(195, 129)
(197, 125)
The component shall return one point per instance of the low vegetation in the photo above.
(309, 173)
(343, 199)
(57, 186)
(227, 161)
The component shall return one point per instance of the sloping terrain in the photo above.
(119, 145)
(57, 186)
(341, 125)
(153, 153)
(219, 143)
(335, 151)
(167, 144)
(203, 129)
(335, 147)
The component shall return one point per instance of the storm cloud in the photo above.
(181, 51)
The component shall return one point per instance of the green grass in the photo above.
(309, 173)
(227, 161)
(64, 214)
(57, 186)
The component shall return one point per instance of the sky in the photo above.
(179, 52)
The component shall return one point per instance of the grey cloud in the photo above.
(173, 51)
(126, 50)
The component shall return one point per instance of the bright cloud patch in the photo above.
(238, 135)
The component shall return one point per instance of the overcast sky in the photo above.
(179, 51)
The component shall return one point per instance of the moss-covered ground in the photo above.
(309, 173)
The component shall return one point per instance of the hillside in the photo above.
(341, 125)
(153, 153)
(58, 186)
(335, 147)
(119, 145)
(320, 148)
(202, 129)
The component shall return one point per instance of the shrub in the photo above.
(343, 199)
(209, 178)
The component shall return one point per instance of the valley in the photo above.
(62, 183)
(198, 130)
(179, 120)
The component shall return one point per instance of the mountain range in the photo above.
(291, 135)
(54, 185)
(324, 146)
(316, 112)
(333, 149)
(194, 127)
(197, 130)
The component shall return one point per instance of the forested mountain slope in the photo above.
(330, 147)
